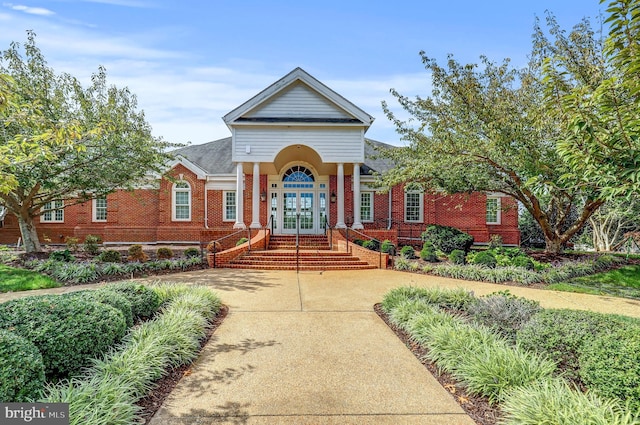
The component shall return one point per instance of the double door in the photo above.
(310, 206)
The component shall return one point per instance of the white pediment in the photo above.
(298, 97)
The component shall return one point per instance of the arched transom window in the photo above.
(298, 176)
(182, 201)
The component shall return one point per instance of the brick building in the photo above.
(297, 158)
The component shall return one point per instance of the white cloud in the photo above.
(41, 11)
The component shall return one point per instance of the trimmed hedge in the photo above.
(610, 365)
(21, 369)
(112, 298)
(144, 301)
(562, 334)
(446, 238)
(67, 331)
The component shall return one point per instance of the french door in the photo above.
(298, 202)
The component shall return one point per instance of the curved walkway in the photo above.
(308, 349)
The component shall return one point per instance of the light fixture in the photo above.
(333, 197)
(263, 196)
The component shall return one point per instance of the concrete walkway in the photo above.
(308, 349)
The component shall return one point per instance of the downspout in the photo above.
(390, 205)
(206, 205)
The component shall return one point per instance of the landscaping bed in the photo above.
(506, 360)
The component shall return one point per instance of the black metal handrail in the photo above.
(327, 227)
(217, 241)
(298, 243)
(269, 225)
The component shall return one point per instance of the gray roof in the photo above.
(215, 157)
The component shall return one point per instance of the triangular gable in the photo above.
(295, 96)
(195, 169)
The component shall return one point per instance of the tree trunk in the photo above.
(553, 246)
(29, 235)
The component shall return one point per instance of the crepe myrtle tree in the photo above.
(491, 127)
(60, 141)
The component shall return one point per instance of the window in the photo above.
(181, 201)
(413, 207)
(493, 210)
(100, 209)
(366, 206)
(53, 212)
(229, 207)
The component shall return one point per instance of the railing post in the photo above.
(249, 238)
(347, 239)
(298, 243)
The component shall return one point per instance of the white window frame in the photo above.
(51, 216)
(95, 210)
(225, 205)
(371, 198)
(174, 205)
(498, 209)
(421, 206)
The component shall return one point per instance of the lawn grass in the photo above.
(624, 281)
(13, 279)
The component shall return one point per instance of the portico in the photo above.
(299, 134)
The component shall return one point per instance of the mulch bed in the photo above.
(478, 408)
(163, 387)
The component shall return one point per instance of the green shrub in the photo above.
(371, 244)
(402, 264)
(428, 253)
(105, 296)
(523, 261)
(72, 243)
(408, 252)
(144, 301)
(387, 247)
(562, 334)
(456, 299)
(164, 253)
(457, 256)
(553, 401)
(63, 255)
(67, 331)
(503, 312)
(21, 369)
(485, 258)
(241, 241)
(191, 252)
(110, 256)
(446, 238)
(610, 365)
(137, 254)
(91, 244)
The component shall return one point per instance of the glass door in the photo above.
(306, 212)
(289, 212)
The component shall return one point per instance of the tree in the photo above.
(598, 104)
(63, 142)
(487, 128)
(612, 222)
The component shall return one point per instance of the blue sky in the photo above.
(191, 62)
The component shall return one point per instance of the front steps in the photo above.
(315, 254)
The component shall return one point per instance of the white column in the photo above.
(239, 224)
(356, 197)
(255, 198)
(340, 223)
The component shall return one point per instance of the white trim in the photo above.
(421, 203)
(195, 169)
(94, 212)
(176, 189)
(498, 210)
(224, 205)
(52, 209)
(371, 203)
(298, 74)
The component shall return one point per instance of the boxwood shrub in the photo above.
(67, 331)
(110, 256)
(446, 238)
(562, 334)
(21, 369)
(144, 301)
(610, 365)
(428, 253)
(408, 252)
(191, 252)
(105, 296)
(484, 258)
